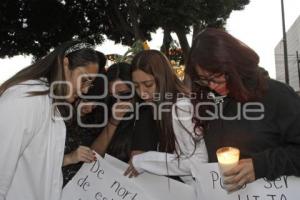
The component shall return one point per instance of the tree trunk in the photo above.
(120, 20)
(166, 42)
(183, 43)
(132, 8)
(196, 30)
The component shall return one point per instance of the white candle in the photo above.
(228, 157)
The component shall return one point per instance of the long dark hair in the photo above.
(120, 71)
(155, 63)
(216, 51)
(51, 68)
(117, 71)
(120, 145)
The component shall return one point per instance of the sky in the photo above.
(259, 25)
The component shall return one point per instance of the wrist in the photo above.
(72, 158)
(68, 159)
(114, 122)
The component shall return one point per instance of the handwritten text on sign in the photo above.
(98, 181)
(209, 178)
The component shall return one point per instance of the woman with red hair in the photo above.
(243, 108)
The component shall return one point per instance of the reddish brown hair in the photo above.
(216, 51)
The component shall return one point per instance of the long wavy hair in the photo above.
(216, 51)
(50, 68)
(153, 62)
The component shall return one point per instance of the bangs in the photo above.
(209, 65)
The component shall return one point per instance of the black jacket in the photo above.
(272, 142)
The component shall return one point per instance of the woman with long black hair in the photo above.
(115, 139)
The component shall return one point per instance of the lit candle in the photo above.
(228, 157)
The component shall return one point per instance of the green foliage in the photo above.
(36, 26)
(130, 53)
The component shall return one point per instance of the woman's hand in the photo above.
(131, 171)
(81, 154)
(240, 175)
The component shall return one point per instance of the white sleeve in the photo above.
(190, 141)
(170, 164)
(18, 123)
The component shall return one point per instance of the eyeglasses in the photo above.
(215, 78)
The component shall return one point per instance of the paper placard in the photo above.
(101, 181)
(104, 180)
(209, 179)
(158, 187)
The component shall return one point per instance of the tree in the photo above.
(183, 17)
(35, 26)
(127, 21)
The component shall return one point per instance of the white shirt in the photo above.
(31, 145)
(155, 162)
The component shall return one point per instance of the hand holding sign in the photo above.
(81, 154)
(131, 170)
(104, 180)
(100, 181)
(157, 187)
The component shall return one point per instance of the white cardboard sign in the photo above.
(209, 179)
(104, 180)
(158, 187)
(99, 181)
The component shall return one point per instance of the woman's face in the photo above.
(145, 85)
(80, 79)
(215, 81)
(118, 88)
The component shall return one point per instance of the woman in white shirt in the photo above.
(32, 131)
(180, 144)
